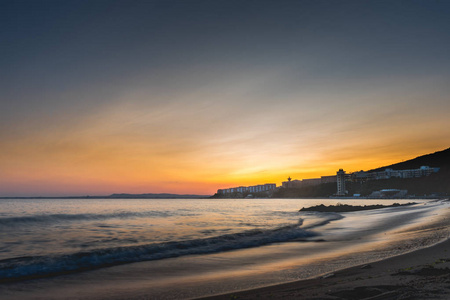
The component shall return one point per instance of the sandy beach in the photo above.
(422, 274)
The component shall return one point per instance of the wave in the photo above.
(58, 218)
(41, 266)
(324, 218)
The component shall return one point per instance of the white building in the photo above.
(251, 189)
(390, 173)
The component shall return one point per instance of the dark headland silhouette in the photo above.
(436, 184)
(438, 159)
(158, 196)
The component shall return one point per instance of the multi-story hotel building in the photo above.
(340, 176)
(250, 189)
(390, 173)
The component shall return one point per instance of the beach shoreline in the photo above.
(420, 274)
(320, 268)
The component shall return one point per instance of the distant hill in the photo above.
(120, 196)
(158, 196)
(435, 184)
(439, 159)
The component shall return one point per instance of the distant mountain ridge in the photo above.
(439, 159)
(119, 196)
(158, 196)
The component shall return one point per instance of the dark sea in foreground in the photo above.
(187, 248)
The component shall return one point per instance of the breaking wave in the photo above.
(40, 266)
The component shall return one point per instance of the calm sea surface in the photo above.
(51, 237)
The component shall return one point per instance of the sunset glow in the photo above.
(189, 98)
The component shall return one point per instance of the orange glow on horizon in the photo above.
(131, 148)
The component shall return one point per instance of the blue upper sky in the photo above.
(216, 81)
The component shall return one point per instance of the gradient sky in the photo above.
(101, 97)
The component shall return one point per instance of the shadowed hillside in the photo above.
(435, 183)
(439, 159)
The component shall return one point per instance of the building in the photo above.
(362, 176)
(340, 179)
(292, 184)
(359, 176)
(297, 184)
(311, 181)
(389, 193)
(328, 179)
(248, 189)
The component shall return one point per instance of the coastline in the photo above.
(421, 274)
(379, 234)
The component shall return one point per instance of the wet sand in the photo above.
(422, 274)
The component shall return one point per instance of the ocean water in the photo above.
(200, 246)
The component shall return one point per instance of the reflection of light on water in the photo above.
(120, 223)
(358, 238)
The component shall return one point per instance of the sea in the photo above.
(190, 248)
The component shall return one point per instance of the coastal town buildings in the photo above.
(250, 189)
(308, 182)
(390, 173)
(340, 178)
(292, 184)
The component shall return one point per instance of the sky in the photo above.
(102, 97)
